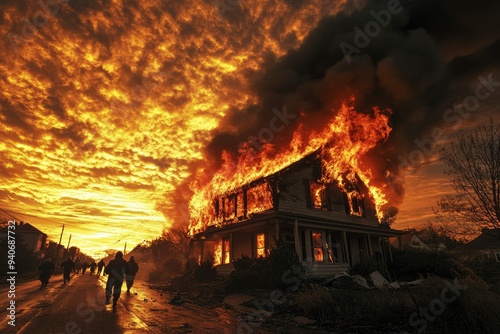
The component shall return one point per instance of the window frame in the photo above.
(226, 253)
(256, 245)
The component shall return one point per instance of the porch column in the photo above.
(277, 231)
(389, 246)
(231, 255)
(202, 250)
(346, 248)
(297, 239)
(382, 245)
(370, 251)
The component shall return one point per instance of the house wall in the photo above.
(32, 241)
(294, 197)
(243, 242)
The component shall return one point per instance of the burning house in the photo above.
(331, 226)
(318, 196)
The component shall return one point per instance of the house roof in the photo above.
(406, 238)
(489, 239)
(28, 228)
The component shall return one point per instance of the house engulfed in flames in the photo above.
(330, 226)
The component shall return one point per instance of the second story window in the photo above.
(318, 195)
(354, 205)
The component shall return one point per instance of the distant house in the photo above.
(409, 241)
(423, 240)
(31, 237)
(330, 227)
(432, 240)
(485, 245)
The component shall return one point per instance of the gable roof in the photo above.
(489, 239)
(28, 228)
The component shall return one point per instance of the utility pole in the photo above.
(125, 249)
(59, 245)
(67, 248)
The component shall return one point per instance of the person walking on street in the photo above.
(100, 266)
(68, 266)
(92, 268)
(130, 271)
(116, 272)
(46, 270)
(78, 265)
(85, 265)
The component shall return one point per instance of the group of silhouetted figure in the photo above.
(117, 270)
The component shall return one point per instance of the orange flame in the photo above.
(218, 253)
(344, 142)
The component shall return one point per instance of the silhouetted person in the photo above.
(85, 265)
(100, 266)
(46, 270)
(130, 271)
(116, 271)
(92, 268)
(68, 266)
(78, 265)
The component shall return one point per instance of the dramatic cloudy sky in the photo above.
(111, 110)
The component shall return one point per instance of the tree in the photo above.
(436, 234)
(474, 172)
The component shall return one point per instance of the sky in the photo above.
(115, 112)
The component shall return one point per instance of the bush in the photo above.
(475, 310)
(205, 272)
(488, 270)
(369, 265)
(167, 270)
(414, 264)
(265, 272)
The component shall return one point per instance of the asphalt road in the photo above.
(75, 308)
(78, 308)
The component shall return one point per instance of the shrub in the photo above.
(205, 272)
(413, 264)
(488, 270)
(167, 270)
(368, 265)
(475, 310)
(265, 272)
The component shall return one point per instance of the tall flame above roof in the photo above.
(344, 142)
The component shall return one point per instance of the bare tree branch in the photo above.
(474, 173)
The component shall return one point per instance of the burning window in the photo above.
(226, 251)
(259, 198)
(218, 253)
(355, 202)
(260, 245)
(229, 207)
(318, 195)
(317, 245)
(240, 205)
(334, 246)
(218, 209)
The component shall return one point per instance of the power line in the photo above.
(10, 214)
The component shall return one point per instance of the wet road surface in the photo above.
(78, 308)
